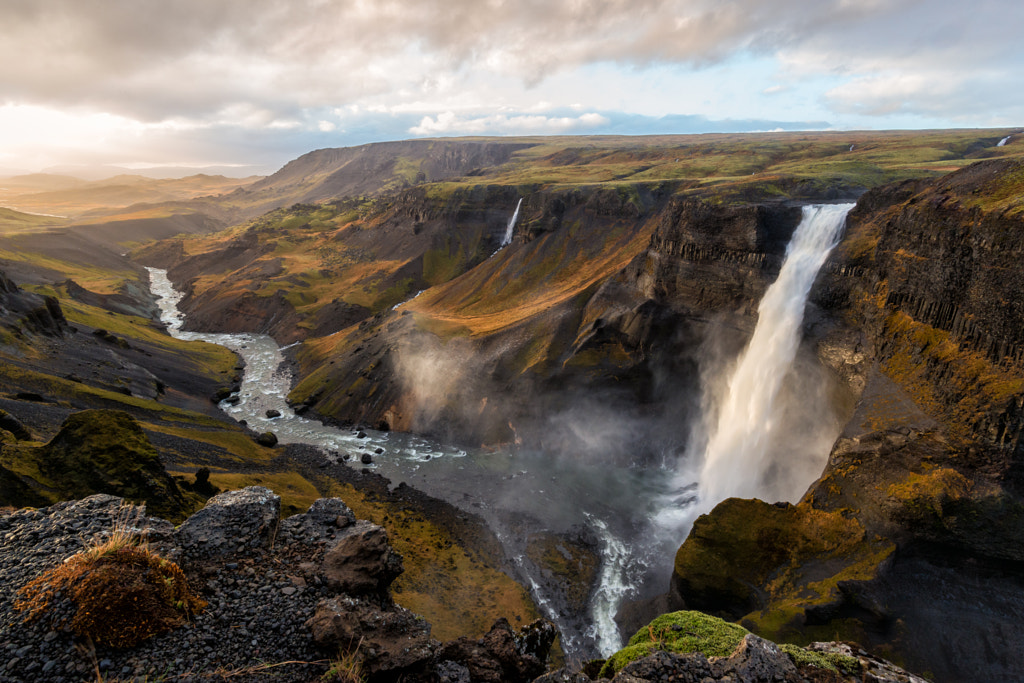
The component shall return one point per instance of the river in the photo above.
(614, 504)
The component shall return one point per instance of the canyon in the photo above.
(591, 337)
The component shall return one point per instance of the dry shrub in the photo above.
(347, 668)
(121, 591)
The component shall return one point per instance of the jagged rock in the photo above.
(692, 667)
(563, 676)
(362, 562)
(231, 522)
(757, 660)
(31, 312)
(452, 672)
(13, 425)
(273, 413)
(202, 483)
(326, 516)
(389, 641)
(504, 655)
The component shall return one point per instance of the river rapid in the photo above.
(612, 505)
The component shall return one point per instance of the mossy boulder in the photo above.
(101, 451)
(773, 564)
(687, 632)
(680, 632)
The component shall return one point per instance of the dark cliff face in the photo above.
(627, 279)
(925, 292)
(707, 259)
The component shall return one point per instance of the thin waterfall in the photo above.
(1003, 142)
(511, 225)
(737, 459)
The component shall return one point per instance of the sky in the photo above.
(247, 85)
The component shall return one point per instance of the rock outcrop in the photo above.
(95, 451)
(26, 312)
(694, 647)
(283, 595)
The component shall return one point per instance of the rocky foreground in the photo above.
(289, 599)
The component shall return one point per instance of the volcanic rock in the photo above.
(361, 561)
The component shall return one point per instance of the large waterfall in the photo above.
(738, 460)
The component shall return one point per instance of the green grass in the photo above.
(12, 221)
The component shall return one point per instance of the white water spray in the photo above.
(511, 225)
(737, 458)
(1002, 143)
(612, 588)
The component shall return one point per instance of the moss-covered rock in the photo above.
(101, 451)
(16, 493)
(773, 564)
(832, 661)
(680, 632)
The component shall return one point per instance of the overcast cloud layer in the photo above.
(261, 81)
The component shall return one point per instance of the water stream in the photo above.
(510, 229)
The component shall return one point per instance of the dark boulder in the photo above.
(362, 562)
(504, 655)
(268, 439)
(387, 642)
(231, 522)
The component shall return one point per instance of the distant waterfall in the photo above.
(511, 225)
(1003, 142)
(737, 459)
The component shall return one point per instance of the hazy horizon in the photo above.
(246, 87)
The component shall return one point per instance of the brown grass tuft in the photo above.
(121, 591)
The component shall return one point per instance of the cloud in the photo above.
(448, 123)
(269, 76)
(199, 57)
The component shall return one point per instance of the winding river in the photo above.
(614, 505)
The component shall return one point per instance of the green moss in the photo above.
(102, 451)
(747, 552)
(832, 661)
(679, 632)
(626, 655)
